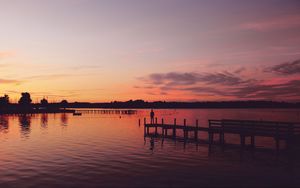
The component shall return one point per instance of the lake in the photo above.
(109, 150)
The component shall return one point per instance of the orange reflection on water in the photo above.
(57, 147)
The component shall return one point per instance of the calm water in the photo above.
(109, 150)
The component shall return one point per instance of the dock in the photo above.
(279, 131)
(105, 111)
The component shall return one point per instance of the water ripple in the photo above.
(95, 150)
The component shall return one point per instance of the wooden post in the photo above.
(174, 129)
(222, 135)
(144, 126)
(209, 134)
(162, 126)
(156, 126)
(147, 126)
(196, 131)
(185, 133)
(210, 139)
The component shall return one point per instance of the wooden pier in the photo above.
(287, 131)
(105, 111)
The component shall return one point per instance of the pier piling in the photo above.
(289, 132)
(196, 130)
(174, 128)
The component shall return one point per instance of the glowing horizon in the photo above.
(171, 50)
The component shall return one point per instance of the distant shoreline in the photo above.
(140, 104)
(141, 108)
(73, 110)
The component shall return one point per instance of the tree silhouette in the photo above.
(44, 102)
(4, 100)
(25, 99)
(64, 103)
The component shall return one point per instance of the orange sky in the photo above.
(100, 51)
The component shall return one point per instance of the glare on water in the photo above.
(110, 150)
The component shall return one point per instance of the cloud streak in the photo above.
(229, 85)
(9, 81)
(44, 94)
(284, 91)
(47, 76)
(191, 78)
(286, 68)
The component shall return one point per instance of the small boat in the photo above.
(77, 114)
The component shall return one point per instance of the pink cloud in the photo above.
(279, 80)
(286, 22)
(8, 81)
(268, 83)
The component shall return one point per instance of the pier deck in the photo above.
(106, 111)
(287, 131)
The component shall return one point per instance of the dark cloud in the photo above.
(274, 91)
(285, 68)
(224, 78)
(286, 91)
(240, 70)
(223, 85)
(206, 90)
(175, 79)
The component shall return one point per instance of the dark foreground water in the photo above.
(109, 150)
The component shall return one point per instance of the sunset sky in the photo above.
(183, 50)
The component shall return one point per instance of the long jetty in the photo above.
(287, 131)
(106, 111)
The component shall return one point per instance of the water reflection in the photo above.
(287, 159)
(152, 143)
(64, 119)
(4, 120)
(44, 120)
(25, 123)
(104, 146)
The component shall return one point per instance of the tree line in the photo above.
(25, 100)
